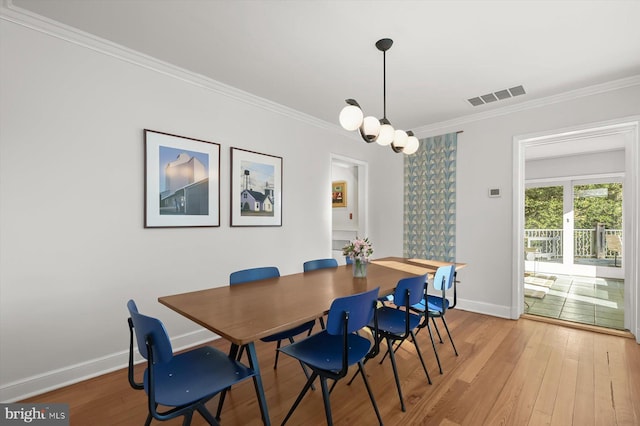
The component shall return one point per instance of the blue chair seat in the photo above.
(393, 320)
(303, 328)
(434, 303)
(323, 351)
(195, 375)
(437, 304)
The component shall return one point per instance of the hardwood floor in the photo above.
(508, 373)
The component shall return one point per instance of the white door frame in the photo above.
(628, 126)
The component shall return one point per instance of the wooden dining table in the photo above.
(243, 314)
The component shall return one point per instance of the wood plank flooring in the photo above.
(508, 373)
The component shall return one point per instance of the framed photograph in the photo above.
(181, 181)
(256, 189)
(339, 194)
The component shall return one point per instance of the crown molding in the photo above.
(609, 86)
(10, 12)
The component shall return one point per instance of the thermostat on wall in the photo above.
(494, 192)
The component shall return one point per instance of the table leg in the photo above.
(257, 382)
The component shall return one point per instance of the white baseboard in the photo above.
(484, 308)
(51, 380)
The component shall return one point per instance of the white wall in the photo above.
(576, 165)
(73, 248)
(485, 160)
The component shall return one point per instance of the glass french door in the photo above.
(575, 227)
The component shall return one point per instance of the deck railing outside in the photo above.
(549, 241)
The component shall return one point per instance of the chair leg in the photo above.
(433, 320)
(415, 342)
(395, 374)
(389, 349)
(333, 386)
(366, 383)
(450, 339)
(304, 367)
(327, 402)
(187, 418)
(354, 375)
(275, 364)
(304, 391)
(433, 344)
(148, 422)
(321, 324)
(207, 415)
(221, 403)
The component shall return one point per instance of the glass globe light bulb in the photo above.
(370, 128)
(386, 135)
(412, 145)
(400, 139)
(351, 117)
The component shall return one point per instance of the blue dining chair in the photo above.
(433, 307)
(262, 273)
(396, 325)
(182, 383)
(331, 352)
(312, 265)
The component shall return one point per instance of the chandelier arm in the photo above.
(395, 149)
(364, 137)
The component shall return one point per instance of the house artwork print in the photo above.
(257, 194)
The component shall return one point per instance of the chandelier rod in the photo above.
(384, 84)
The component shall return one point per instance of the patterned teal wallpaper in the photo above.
(430, 199)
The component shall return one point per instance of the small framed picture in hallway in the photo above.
(339, 194)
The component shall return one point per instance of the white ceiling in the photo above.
(311, 55)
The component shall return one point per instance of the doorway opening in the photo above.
(578, 171)
(573, 233)
(349, 216)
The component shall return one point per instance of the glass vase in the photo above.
(359, 269)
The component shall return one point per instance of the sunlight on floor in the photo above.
(586, 300)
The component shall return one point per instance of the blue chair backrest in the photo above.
(145, 327)
(348, 260)
(444, 277)
(360, 308)
(312, 265)
(415, 285)
(253, 274)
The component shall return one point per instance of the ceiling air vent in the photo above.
(497, 96)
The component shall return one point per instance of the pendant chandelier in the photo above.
(373, 130)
